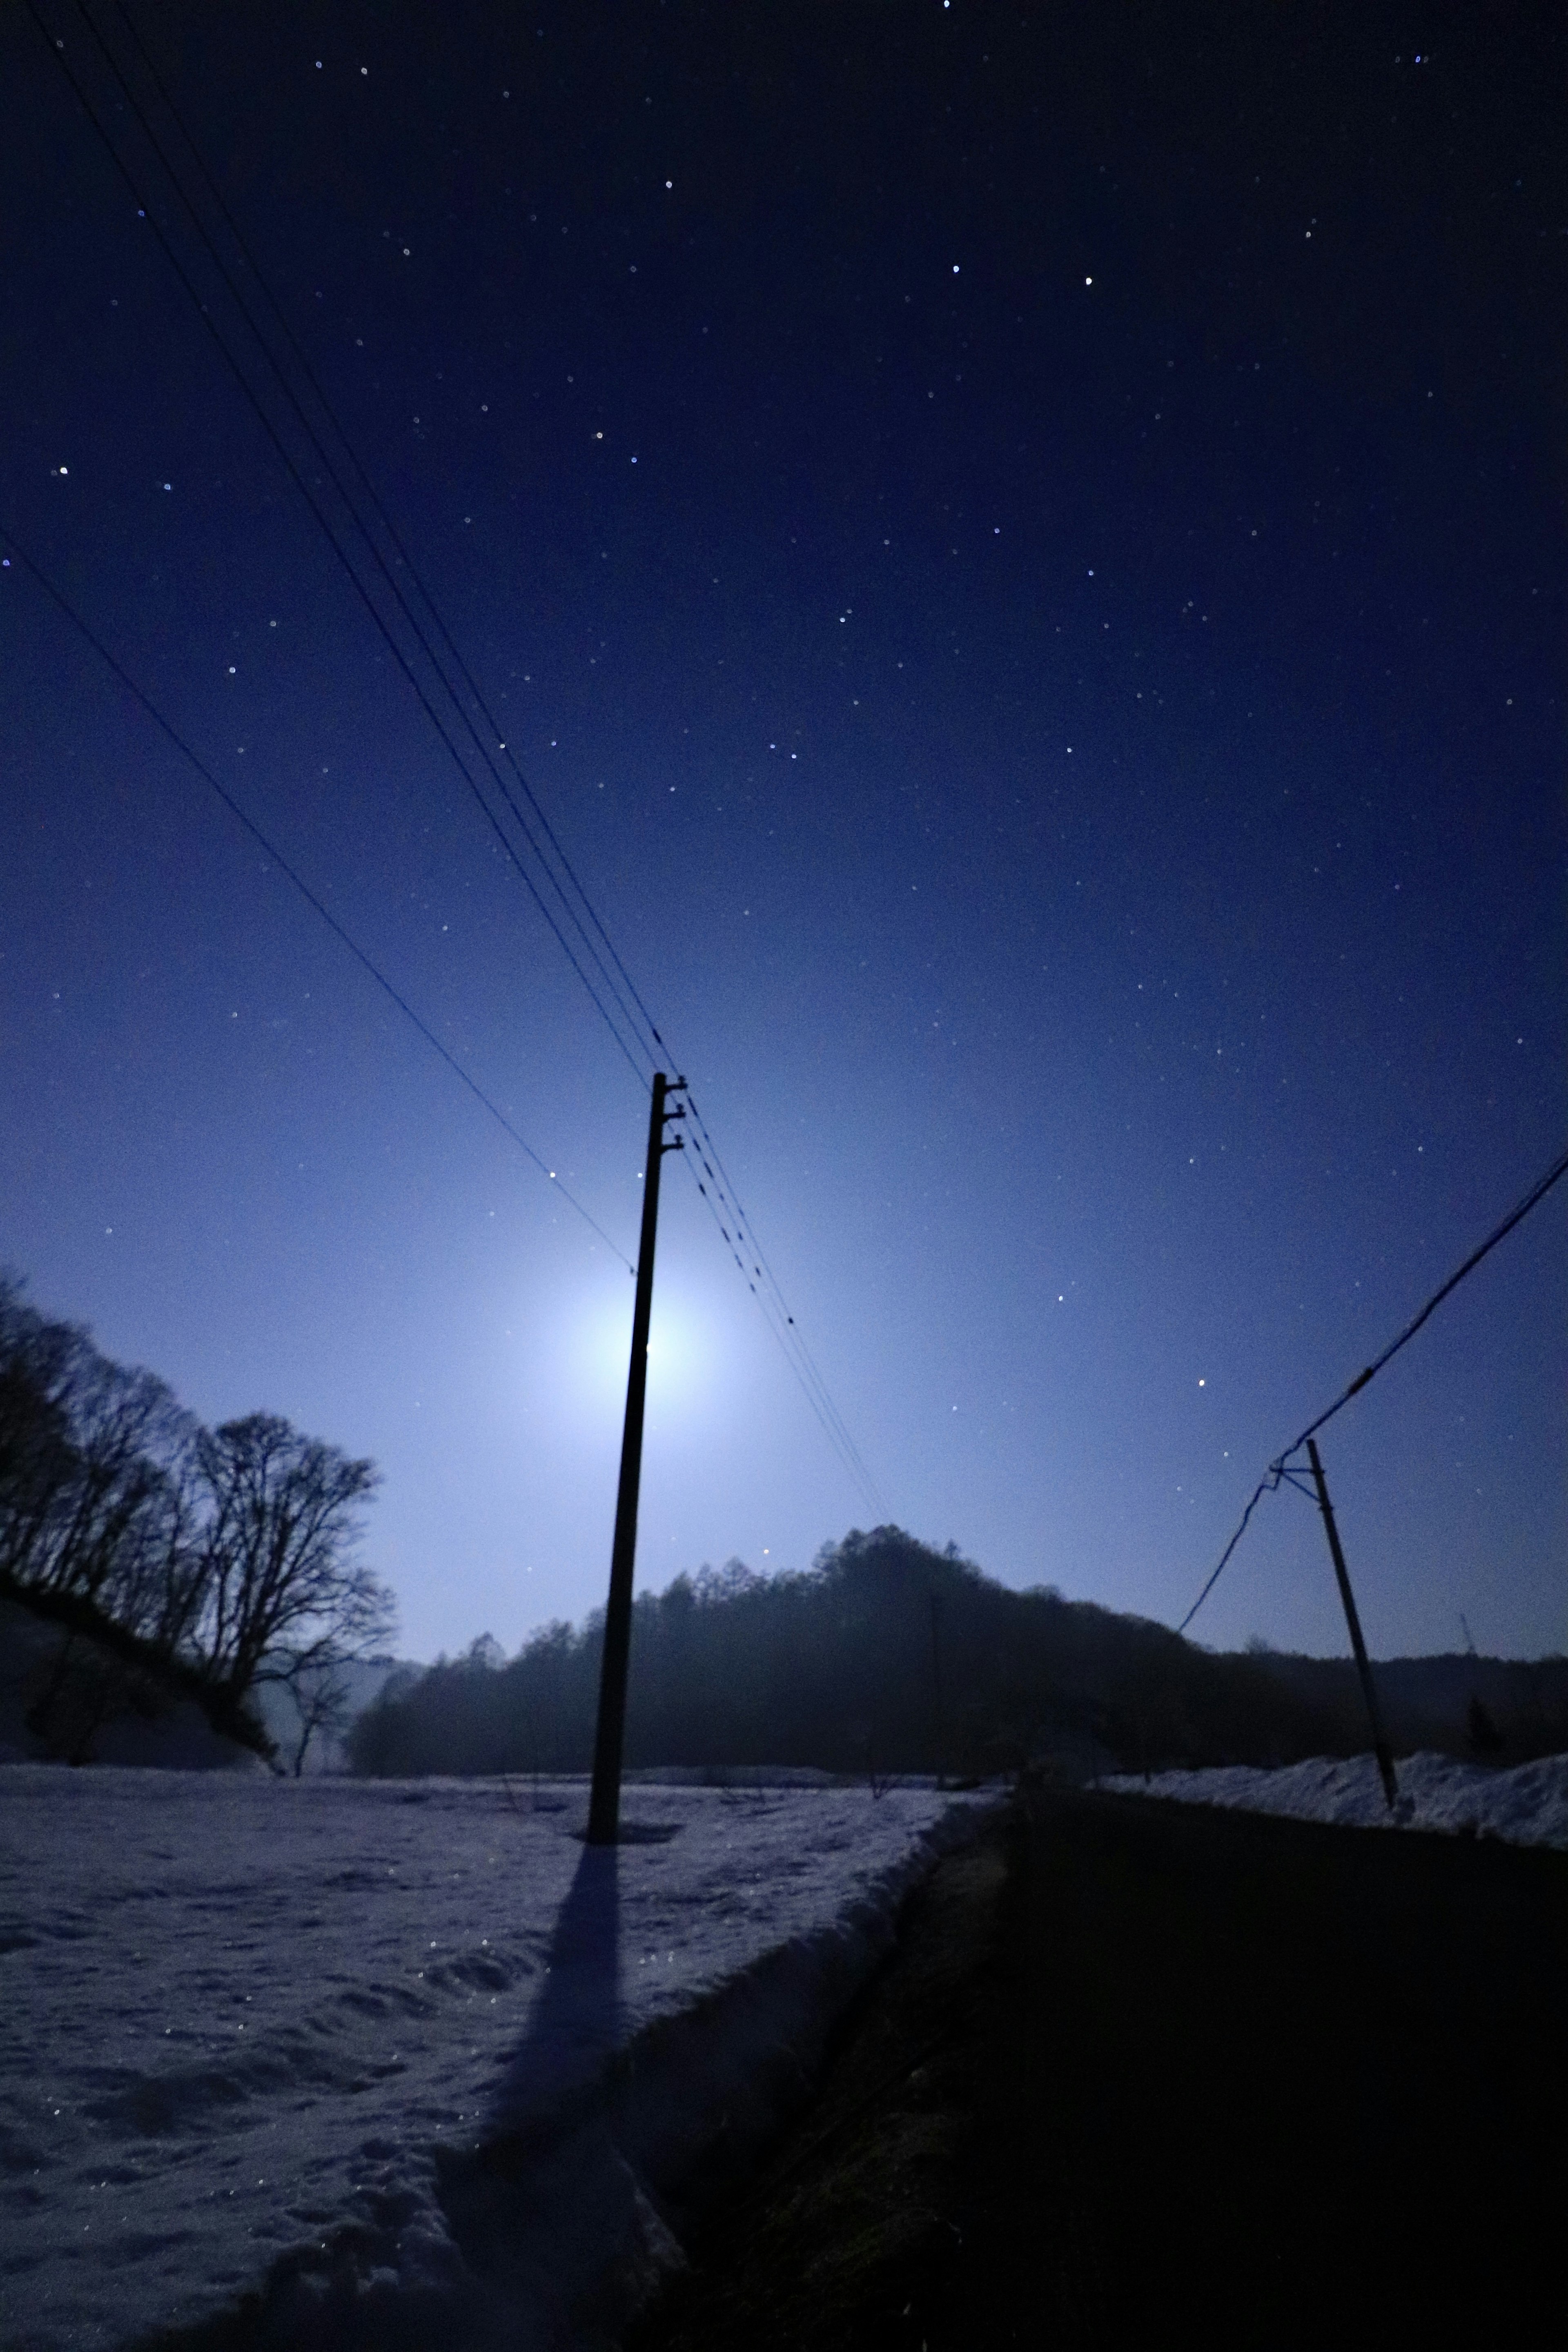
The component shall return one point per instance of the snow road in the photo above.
(407, 2061)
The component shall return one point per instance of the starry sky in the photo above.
(1018, 550)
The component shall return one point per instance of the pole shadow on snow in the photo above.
(547, 2122)
(538, 2137)
(543, 2141)
(576, 2023)
(545, 2210)
(576, 2020)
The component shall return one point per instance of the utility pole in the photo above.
(936, 1688)
(604, 1803)
(1364, 1668)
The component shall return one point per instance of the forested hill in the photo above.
(175, 1566)
(889, 1656)
(1499, 1710)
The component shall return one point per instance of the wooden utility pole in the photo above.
(604, 1803)
(1363, 1666)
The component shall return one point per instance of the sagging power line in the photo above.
(1280, 1468)
(770, 1298)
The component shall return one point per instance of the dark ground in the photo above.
(1140, 2073)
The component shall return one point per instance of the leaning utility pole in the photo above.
(1362, 1664)
(604, 1804)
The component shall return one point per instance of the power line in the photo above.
(575, 902)
(303, 888)
(704, 1146)
(390, 527)
(376, 503)
(1280, 1468)
(822, 1406)
(317, 509)
(1537, 1192)
(802, 1359)
(1265, 1485)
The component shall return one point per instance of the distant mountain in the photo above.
(889, 1657)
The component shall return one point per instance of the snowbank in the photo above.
(408, 2062)
(1527, 1806)
(112, 1716)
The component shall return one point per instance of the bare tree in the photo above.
(211, 1560)
(319, 1694)
(284, 1595)
(97, 1496)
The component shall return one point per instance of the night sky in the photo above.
(1020, 550)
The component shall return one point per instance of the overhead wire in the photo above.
(575, 902)
(821, 1405)
(389, 525)
(770, 1296)
(318, 510)
(795, 1345)
(1279, 1469)
(1537, 1192)
(291, 873)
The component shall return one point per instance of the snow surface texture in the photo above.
(406, 2060)
(1527, 1806)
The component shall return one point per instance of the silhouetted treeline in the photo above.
(1494, 1710)
(886, 1656)
(175, 1561)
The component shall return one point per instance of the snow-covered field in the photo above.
(1526, 1806)
(407, 2059)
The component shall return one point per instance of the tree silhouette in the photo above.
(201, 1560)
(285, 1595)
